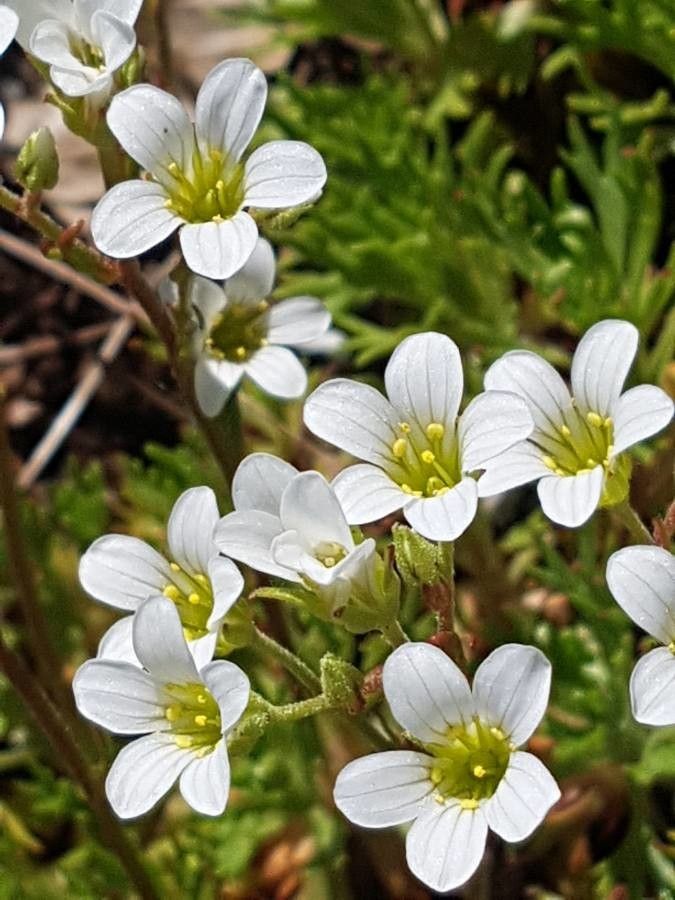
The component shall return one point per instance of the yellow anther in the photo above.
(404, 427)
(671, 647)
(263, 306)
(216, 155)
(479, 772)
(201, 579)
(436, 775)
(264, 342)
(564, 430)
(609, 422)
(559, 471)
(172, 592)
(173, 168)
(172, 713)
(175, 567)
(398, 448)
(591, 463)
(201, 720)
(469, 803)
(549, 462)
(594, 419)
(218, 219)
(168, 204)
(582, 471)
(240, 352)
(435, 431)
(184, 741)
(201, 699)
(193, 599)
(498, 733)
(220, 185)
(329, 562)
(428, 457)
(610, 451)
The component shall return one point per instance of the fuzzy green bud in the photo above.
(37, 165)
(339, 681)
(418, 560)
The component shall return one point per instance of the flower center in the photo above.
(238, 332)
(329, 554)
(470, 765)
(424, 464)
(193, 597)
(86, 53)
(580, 444)
(194, 717)
(211, 191)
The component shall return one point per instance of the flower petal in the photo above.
(367, 494)
(218, 249)
(9, 22)
(572, 499)
(117, 39)
(523, 797)
(601, 363)
(49, 42)
(354, 417)
(445, 845)
(229, 107)
(208, 300)
(119, 696)
(310, 507)
(426, 691)
(282, 174)
(532, 378)
(384, 788)
(491, 425)
(31, 14)
(445, 517)
(122, 571)
(260, 481)
(190, 529)
(143, 772)
(205, 782)
(131, 218)
(154, 129)
(295, 321)
(117, 644)
(642, 581)
(511, 689)
(214, 382)
(230, 688)
(652, 688)
(517, 466)
(638, 414)
(159, 642)
(247, 537)
(227, 583)
(278, 371)
(255, 279)
(126, 10)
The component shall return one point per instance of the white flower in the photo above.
(291, 525)
(122, 571)
(470, 775)
(9, 22)
(185, 715)
(197, 180)
(84, 42)
(239, 333)
(642, 580)
(419, 455)
(576, 448)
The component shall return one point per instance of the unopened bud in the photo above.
(37, 165)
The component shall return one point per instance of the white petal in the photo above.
(652, 688)
(491, 425)
(426, 691)
(282, 174)
(511, 689)
(366, 494)
(122, 571)
(571, 500)
(329, 344)
(208, 299)
(444, 518)
(126, 10)
(260, 481)
(532, 378)
(291, 552)
(159, 642)
(9, 22)
(638, 414)
(354, 417)
(143, 772)
(642, 581)
(218, 249)
(247, 537)
(214, 382)
(94, 84)
(36, 11)
(117, 39)
(2, 121)
(117, 644)
(277, 371)
(229, 107)
(49, 42)
(255, 279)
(205, 783)
(524, 796)
(445, 845)
(203, 648)
(230, 688)
(517, 466)
(154, 129)
(227, 583)
(119, 696)
(131, 218)
(384, 788)
(296, 321)
(310, 507)
(601, 363)
(190, 529)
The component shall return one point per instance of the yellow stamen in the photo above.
(172, 592)
(172, 713)
(398, 448)
(184, 741)
(217, 218)
(591, 463)
(564, 430)
(608, 423)
(240, 352)
(201, 720)
(479, 772)
(193, 599)
(435, 431)
(427, 456)
(175, 567)
(436, 775)
(201, 699)
(594, 419)
(404, 427)
(469, 804)
(549, 462)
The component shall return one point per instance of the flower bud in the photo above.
(419, 561)
(37, 165)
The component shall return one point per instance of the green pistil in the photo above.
(211, 191)
(470, 765)
(194, 717)
(86, 53)
(238, 332)
(423, 467)
(329, 554)
(193, 597)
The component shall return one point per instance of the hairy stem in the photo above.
(626, 515)
(394, 634)
(266, 645)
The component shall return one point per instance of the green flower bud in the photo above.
(339, 681)
(37, 165)
(617, 481)
(418, 560)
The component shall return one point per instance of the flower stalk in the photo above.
(626, 515)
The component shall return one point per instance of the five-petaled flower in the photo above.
(419, 455)
(9, 22)
(576, 450)
(642, 580)
(469, 775)
(184, 713)
(238, 332)
(84, 42)
(122, 571)
(196, 180)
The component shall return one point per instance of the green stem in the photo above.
(267, 646)
(394, 634)
(233, 436)
(303, 709)
(626, 515)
